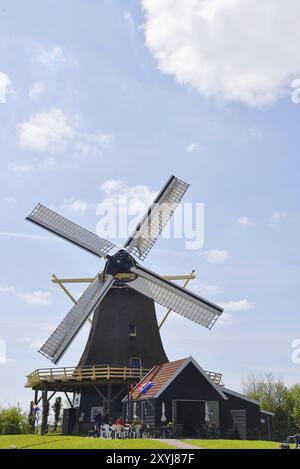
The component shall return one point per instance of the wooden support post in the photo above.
(109, 395)
(44, 424)
(32, 413)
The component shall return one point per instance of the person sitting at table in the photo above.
(120, 424)
(120, 421)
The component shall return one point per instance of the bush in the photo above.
(13, 421)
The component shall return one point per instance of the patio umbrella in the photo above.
(134, 409)
(206, 413)
(163, 413)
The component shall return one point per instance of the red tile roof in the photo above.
(159, 376)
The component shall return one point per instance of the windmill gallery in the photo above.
(124, 367)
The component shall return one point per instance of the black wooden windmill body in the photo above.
(124, 330)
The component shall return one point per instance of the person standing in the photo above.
(296, 439)
(98, 421)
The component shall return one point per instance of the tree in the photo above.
(293, 402)
(13, 421)
(273, 396)
(57, 410)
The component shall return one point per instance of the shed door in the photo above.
(191, 415)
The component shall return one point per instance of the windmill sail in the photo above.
(64, 334)
(173, 296)
(70, 231)
(158, 215)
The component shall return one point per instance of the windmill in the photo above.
(123, 266)
(122, 295)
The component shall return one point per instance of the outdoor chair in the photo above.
(119, 431)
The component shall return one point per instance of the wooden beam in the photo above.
(53, 394)
(118, 393)
(170, 309)
(60, 283)
(100, 393)
(68, 399)
(72, 280)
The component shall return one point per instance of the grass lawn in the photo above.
(78, 442)
(234, 444)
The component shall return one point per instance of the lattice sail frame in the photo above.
(157, 217)
(69, 327)
(172, 296)
(70, 231)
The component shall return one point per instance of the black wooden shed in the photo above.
(183, 395)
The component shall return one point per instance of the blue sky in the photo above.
(102, 90)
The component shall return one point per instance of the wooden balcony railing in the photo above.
(87, 373)
(93, 373)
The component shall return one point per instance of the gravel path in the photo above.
(178, 443)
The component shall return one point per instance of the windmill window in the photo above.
(132, 331)
(135, 363)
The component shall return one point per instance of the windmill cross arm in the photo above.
(91, 279)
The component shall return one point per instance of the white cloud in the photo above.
(204, 288)
(111, 185)
(45, 131)
(56, 132)
(276, 217)
(52, 56)
(91, 143)
(245, 222)
(240, 305)
(74, 205)
(216, 256)
(32, 298)
(79, 206)
(7, 289)
(138, 198)
(125, 201)
(22, 168)
(231, 50)
(193, 148)
(11, 234)
(35, 298)
(34, 343)
(209, 288)
(36, 89)
(4, 86)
